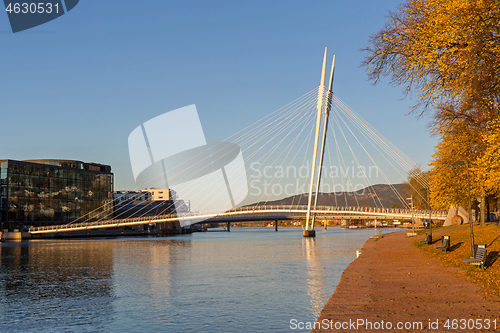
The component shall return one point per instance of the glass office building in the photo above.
(38, 191)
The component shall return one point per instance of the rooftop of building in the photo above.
(74, 164)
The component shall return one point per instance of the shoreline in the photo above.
(392, 283)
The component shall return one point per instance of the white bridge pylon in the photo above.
(309, 229)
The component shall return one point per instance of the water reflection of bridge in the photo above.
(253, 213)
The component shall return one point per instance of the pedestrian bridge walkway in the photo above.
(252, 213)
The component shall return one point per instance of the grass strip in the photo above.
(460, 248)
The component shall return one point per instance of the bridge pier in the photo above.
(228, 226)
(309, 233)
(275, 225)
(326, 224)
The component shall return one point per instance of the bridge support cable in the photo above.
(288, 149)
(345, 169)
(277, 117)
(374, 137)
(260, 128)
(310, 232)
(402, 200)
(299, 119)
(281, 126)
(279, 121)
(308, 142)
(304, 120)
(403, 160)
(394, 155)
(282, 123)
(261, 125)
(333, 179)
(398, 195)
(340, 158)
(365, 178)
(289, 128)
(272, 132)
(277, 114)
(367, 182)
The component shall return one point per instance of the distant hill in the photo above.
(367, 196)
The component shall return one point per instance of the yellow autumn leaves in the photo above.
(460, 243)
(446, 53)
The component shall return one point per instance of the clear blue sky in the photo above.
(74, 88)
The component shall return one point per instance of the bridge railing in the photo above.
(345, 209)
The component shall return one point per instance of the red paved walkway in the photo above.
(395, 283)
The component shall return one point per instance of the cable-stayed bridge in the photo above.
(220, 186)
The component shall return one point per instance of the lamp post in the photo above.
(470, 211)
(430, 221)
(412, 211)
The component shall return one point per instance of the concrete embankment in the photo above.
(19, 236)
(393, 285)
(13, 236)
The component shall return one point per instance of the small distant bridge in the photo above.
(255, 213)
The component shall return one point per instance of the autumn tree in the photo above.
(459, 142)
(488, 165)
(416, 182)
(446, 53)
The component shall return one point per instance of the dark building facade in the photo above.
(40, 191)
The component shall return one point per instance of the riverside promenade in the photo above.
(393, 283)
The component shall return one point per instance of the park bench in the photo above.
(428, 239)
(479, 256)
(445, 244)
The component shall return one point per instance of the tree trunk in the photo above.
(496, 206)
(488, 210)
(481, 211)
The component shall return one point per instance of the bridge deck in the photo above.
(255, 213)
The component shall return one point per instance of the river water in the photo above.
(246, 280)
